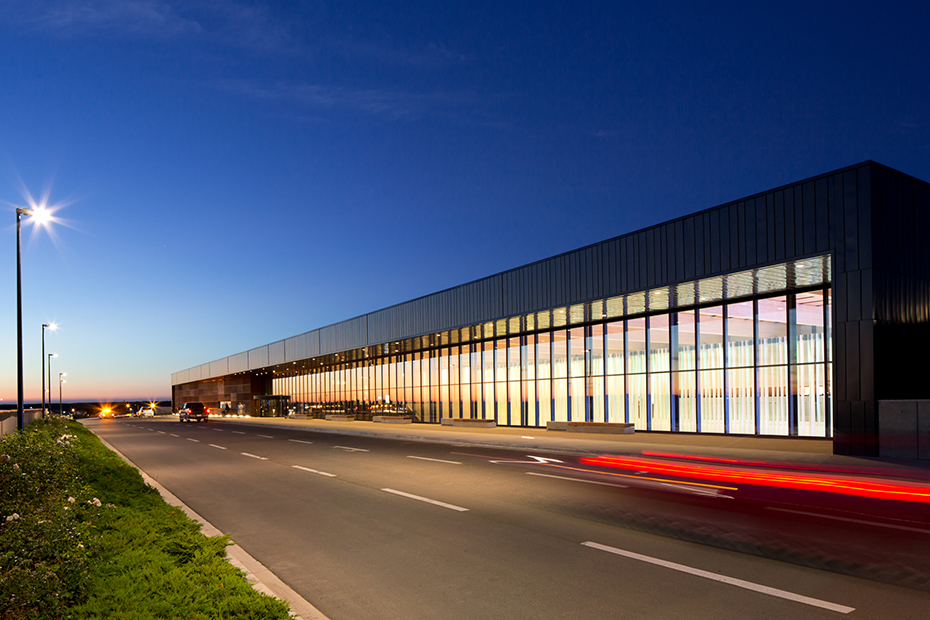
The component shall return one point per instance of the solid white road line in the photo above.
(313, 471)
(423, 458)
(605, 484)
(266, 436)
(300, 441)
(748, 585)
(216, 446)
(875, 523)
(351, 449)
(261, 458)
(194, 440)
(427, 500)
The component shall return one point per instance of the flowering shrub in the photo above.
(44, 523)
(82, 536)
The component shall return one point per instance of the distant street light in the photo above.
(50, 356)
(52, 327)
(60, 381)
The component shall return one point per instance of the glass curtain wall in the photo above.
(759, 366)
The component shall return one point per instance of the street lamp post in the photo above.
(60, 381)
(20, 211)
(50, 356)
(44, 215)
(52, 327)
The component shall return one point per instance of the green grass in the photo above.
(91, 540)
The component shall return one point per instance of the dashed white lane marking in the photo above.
(192, 439)
(216, 446)
(526, 437)
(300, 441)
(239, 432)
(162, 432)
(875, 523)
(423, 458)
(266, 436)
(173, 435)
(427, 500)
(748, 585)
(261, 458)
(351, 449)
(314, 471)
(219, 430)
(605, 484)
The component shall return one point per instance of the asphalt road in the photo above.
(372, 528)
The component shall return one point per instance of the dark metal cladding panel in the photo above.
(680, 249)
(790, 223)
(865, 209)
(809, 207)
(849, 247)
(779, 224)
(854, 296)
(822, 205)
(755, 213)
(852, 357)
(770, 226)
(612, 265)
(866, 295)
(840, 391)
(840, 295)
(842, 422)
(735, 238)
(718, 244)
(922, 228)
(799, 224)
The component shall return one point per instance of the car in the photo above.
(146, 412)
(193, 411)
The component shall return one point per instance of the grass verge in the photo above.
(83, 536)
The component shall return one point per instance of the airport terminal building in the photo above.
(800, 311)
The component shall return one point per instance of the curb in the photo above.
(256, 573)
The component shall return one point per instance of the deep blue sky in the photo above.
(240, 172)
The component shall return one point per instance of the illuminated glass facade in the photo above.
(757, 365)
(798, 311)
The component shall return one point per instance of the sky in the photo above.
(225, 174)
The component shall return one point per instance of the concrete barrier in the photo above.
(470, 422)
(9, 421)
(619, 428)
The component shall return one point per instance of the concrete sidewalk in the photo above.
(730, 446)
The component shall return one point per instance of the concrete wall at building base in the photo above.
(904, 429)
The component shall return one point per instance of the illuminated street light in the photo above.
(41, 216)
(52, 327)
(60, 381)
(20, 212)
(50, 356)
